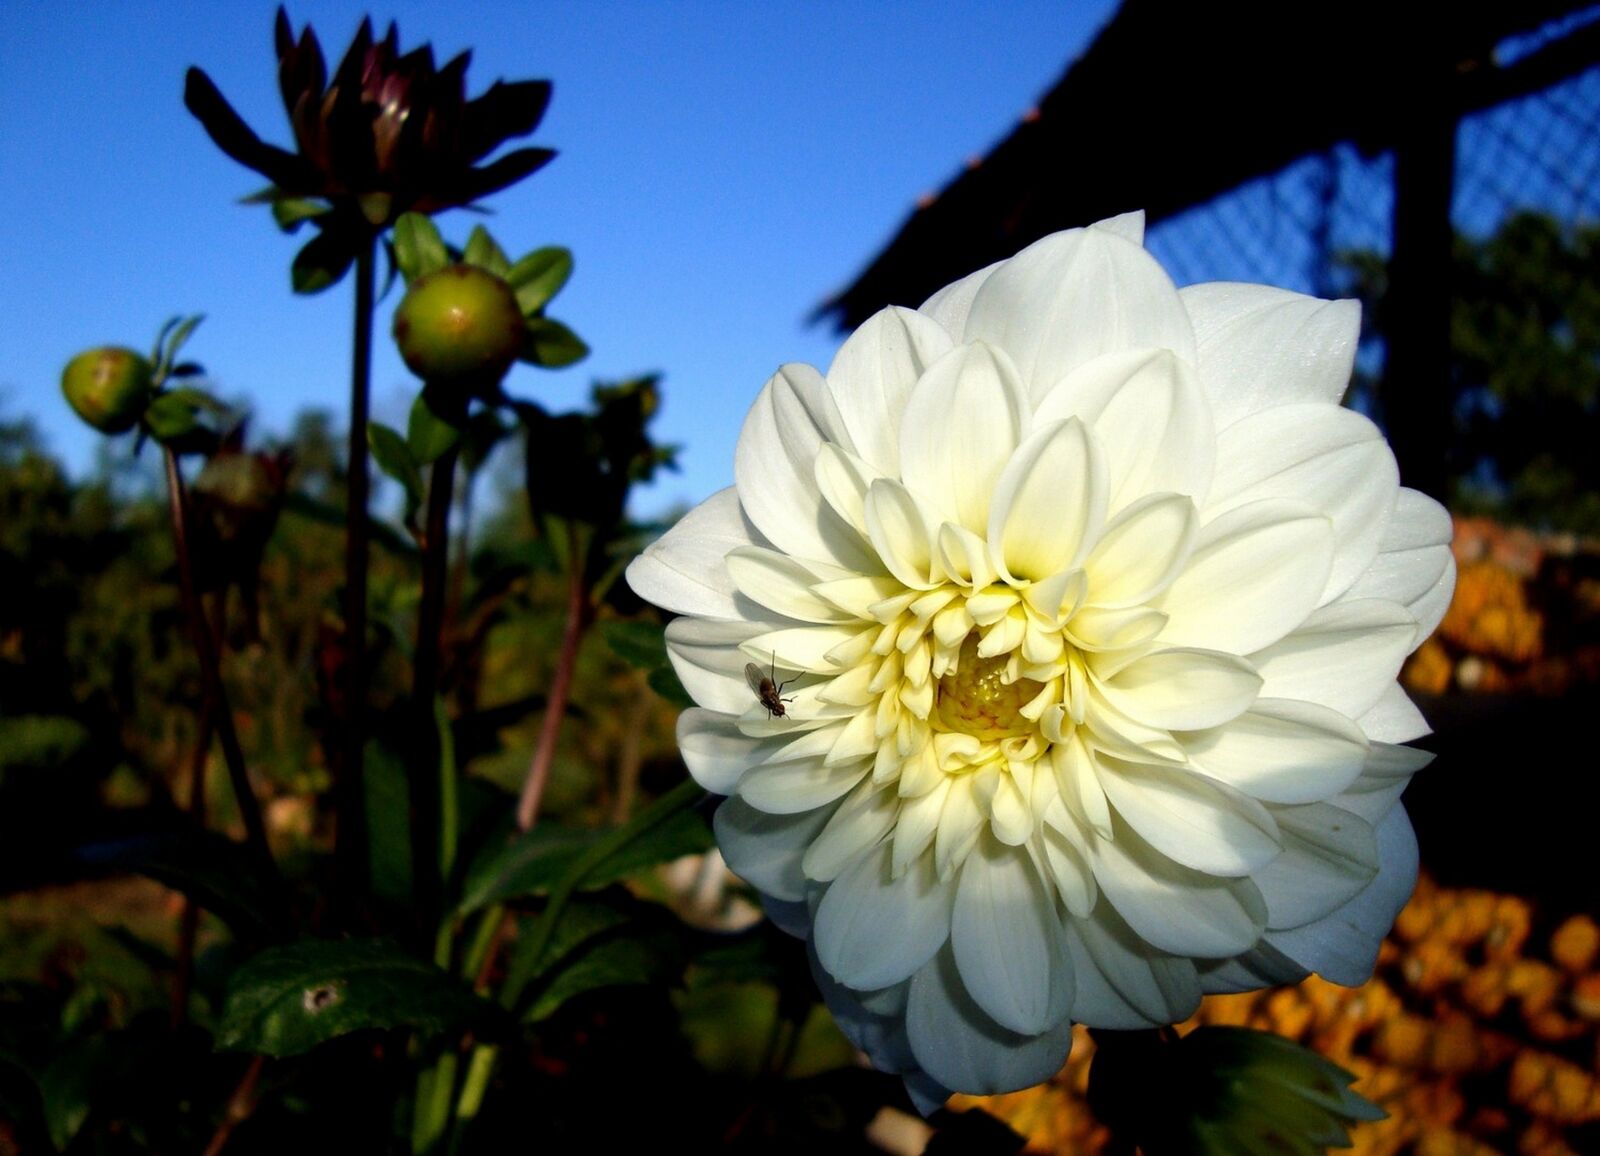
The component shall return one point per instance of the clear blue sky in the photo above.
(723, 167)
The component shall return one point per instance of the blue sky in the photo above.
(723, 167)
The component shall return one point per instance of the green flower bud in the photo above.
(108, 387)
(459, 326)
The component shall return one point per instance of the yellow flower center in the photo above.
(974, 701)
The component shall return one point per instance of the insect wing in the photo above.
(755, 676)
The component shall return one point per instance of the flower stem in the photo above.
(544, 750)
(350, 849)
(215, 705)
(425, 780)
(240, 1105)
(189, 919)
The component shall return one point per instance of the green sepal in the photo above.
(539, 276)
(485, 253)
(287, 1000)
(551, 344)
(175, 413)
(418, 247)
(322, 261)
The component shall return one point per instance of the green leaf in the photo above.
(174, 342)
(217, 873)
(394, 458)
(289, 999)
(427, 434)
(40, 741)
(418, 248)
(664, 681)
(483, 252)
(535, 862)
(292, 212)
(176, 412)
(322, 261)
(539, 276)
(551, 344)
(638, 643)
(602, 944)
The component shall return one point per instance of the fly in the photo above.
(767, 687)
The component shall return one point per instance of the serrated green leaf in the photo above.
(287, 1000)
(393, 456)
(640, 644)
(550, 344)
(418, 247)
(539, 276)
(664, 681)
(427, 434)
(537, 861)
(483, 252)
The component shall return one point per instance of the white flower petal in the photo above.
(1261, 347)
(1183, 689)
(1192, 820)
(1394, 718)
(1344, 656)
(1333, 460)
(706, 658)
(1261, 966)
(764, 849)
(794, 648)
(875, 1022)
(1329, 856)
(1343, 946)
(1122, 984)
(1007, 941)
(1141, 551)
(783, 584)
(1073, 296)
(716, 752)
(1387, 772)
(961, 1047)
(873, 929)
(1255, 573)
(774, 468)
(1173, 908)
(1414, 566)
(872, 375)
(1149, 415)
(950, 305)
(1282, 751)
(1068, 870)
(862, 821)
(1049, 503)
(961, 424)
(683, 570)
(787, 788)
(902, 531)
(1128, 226)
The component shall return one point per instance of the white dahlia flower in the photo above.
(1086, 600)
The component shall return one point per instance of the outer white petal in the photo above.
(961, 423)
(1261, 966)
(862, 821)
(1329, 856)
(1261, 347)
(875, 1022)
(1332, 460)
(1192, 820)
(1344, 656)
(706, 657)
(902, 530)
(774, 466)
(782, 584)
(1008, 942)
(1141, 551)
(950, 305)
(1387, 772)
(1183, 689)
(872, 375)
(1394, 718)
(1177, 910)
(787, 788)
(1343, 947)
(1073, 296)
(1147, 410)
(1414, 566)
(1128, 226)
(1254, 574)
(1282, 751)
(1121, 983)
(716, 752)
(873, 929)
(765, 850)
(683, 570)
(1049, 503)
(958, 1045)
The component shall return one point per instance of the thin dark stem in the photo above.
(560, 687)
(424, 779)
(351, 847)
(215, 703)
(240, 1105)
(189, 920)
